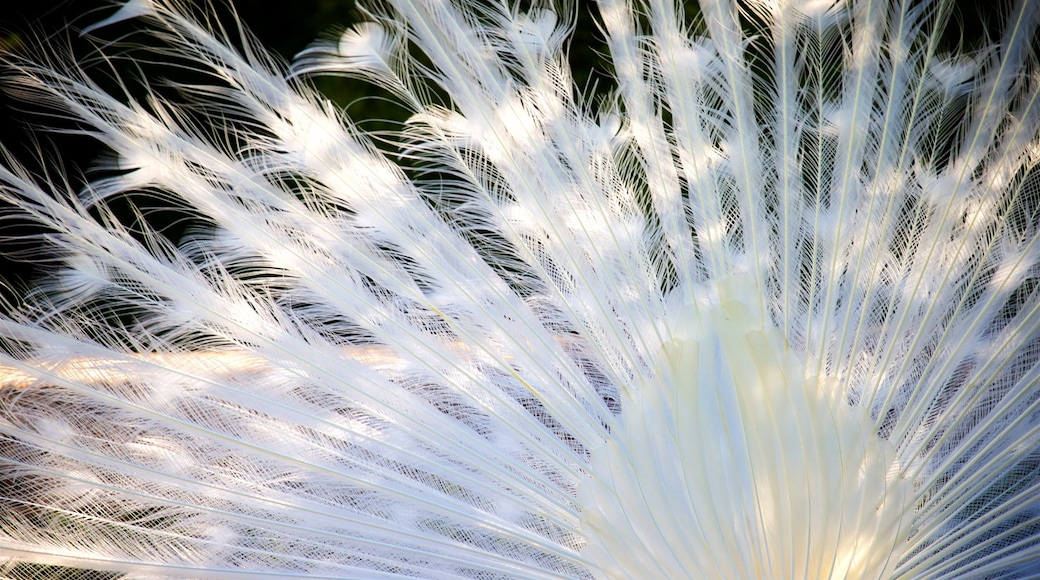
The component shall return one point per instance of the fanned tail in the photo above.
(769, 310)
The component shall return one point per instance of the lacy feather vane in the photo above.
(764, 305)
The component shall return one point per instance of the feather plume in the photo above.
(767, 307)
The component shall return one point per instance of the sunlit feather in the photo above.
(766, 308)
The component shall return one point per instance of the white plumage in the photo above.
(767, 309)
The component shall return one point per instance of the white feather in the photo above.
(769, 309)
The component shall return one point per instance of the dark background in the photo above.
(283, 27)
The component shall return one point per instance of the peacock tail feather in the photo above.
(766, 305)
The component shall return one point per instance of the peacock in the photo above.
(763, 301)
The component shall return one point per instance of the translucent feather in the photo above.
(766, 308)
